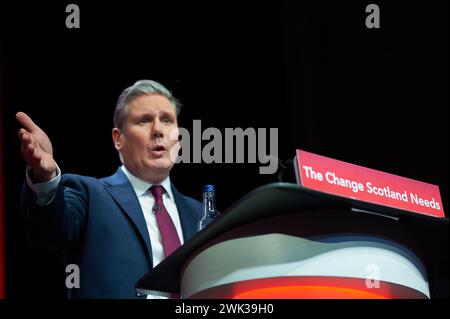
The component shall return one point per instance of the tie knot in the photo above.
(157, 191)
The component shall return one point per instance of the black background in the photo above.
(373, 97)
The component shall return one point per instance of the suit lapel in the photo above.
(123, 194)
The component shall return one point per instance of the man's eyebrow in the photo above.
(167, 113)
(146, 114)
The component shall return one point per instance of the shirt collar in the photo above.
(141, 187)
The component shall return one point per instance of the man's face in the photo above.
(145, 139)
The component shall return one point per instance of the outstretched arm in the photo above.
(53, 207)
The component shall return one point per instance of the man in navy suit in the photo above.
(108, 227)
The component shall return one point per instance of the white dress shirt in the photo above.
(45, 192)
(146, 200)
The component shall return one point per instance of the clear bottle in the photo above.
(209, 207)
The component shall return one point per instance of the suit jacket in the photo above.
(99, 225)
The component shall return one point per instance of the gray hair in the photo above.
(139, 88)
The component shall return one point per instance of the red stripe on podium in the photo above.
(309, 287)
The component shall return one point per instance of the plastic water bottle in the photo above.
(209, 207)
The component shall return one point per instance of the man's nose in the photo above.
(157, 129)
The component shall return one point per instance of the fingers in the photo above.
(25, 137)
(28, 143)
(32, 156)
(35, 159)
(29, 150)
(22, 134)
(31, 153)
(26, 122)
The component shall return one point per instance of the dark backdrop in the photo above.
(373, 97)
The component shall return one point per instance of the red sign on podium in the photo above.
(356, 182)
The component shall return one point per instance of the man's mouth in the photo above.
(158, 150)
(159, 147)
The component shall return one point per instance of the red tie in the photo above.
(169, 235)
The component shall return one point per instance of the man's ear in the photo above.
(116, 136)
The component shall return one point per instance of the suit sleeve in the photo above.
(58, 225)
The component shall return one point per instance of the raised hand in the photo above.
(36, 149)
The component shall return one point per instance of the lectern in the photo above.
(285, 241)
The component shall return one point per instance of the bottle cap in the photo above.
(208, 188)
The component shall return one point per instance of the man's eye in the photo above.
(167, 120)
(144, 121)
